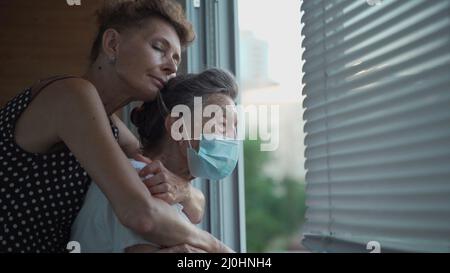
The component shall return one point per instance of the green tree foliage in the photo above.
(274, 209)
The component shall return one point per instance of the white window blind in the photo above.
(377, 112)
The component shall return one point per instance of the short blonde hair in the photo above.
(123, 14)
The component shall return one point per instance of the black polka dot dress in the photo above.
(40, 194)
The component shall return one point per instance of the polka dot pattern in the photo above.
(40, 194)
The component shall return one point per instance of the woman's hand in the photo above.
(143, 248)
(183, 248)
(164, 184)
(167, 186)
(225, 249)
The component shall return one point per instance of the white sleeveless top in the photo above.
(97, 228)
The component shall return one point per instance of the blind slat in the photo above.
(335, 56)
(377, 119)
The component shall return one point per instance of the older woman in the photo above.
(61, 133)
(212, 155)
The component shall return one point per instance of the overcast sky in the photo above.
(278, 23)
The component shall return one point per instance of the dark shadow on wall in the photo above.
(43, 38)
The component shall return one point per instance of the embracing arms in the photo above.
(80, 121)
(166, 186)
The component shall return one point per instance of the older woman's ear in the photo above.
(172, 126)
(168, 124)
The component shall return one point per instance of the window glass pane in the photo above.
(270, 72)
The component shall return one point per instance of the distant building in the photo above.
(254, 61)
(258, 89)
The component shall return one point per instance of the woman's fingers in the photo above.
(153, 167)
(154, 180)
(141, 158)
(141, 248)
(184, 248)
(160, 188)
(167, 197)
(164, 184)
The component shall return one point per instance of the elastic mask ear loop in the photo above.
(187, 134)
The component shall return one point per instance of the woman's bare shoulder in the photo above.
(76, 100)
(57, 105)
(70, 97)
(70, 88)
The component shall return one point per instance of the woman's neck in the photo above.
(109, 87)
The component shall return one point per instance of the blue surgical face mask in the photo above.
(216, 158)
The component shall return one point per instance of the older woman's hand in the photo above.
(164, 184)
(173, 189)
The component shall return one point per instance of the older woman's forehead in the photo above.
(220, 112)
(219, 99)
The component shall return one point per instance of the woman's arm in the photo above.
(194, 205)
(173, 189)
(143, 248)
(80, 121)
(128, 142)
(193, 200)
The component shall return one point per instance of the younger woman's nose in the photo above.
(170, 67)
